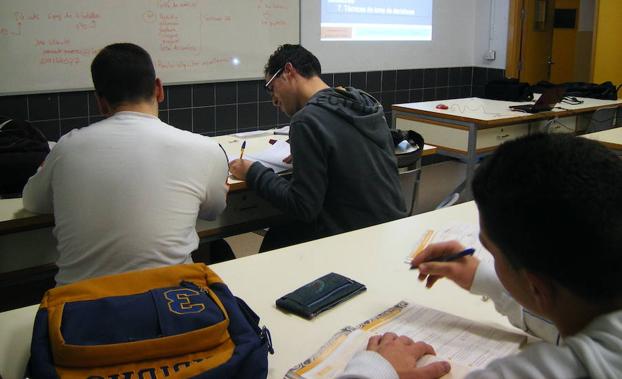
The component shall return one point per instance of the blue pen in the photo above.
(453, 257)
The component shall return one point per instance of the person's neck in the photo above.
(572, 313)
(310, 87)
(149, 108)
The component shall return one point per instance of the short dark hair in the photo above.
(123, 72)
(553, 205)
(302, 59)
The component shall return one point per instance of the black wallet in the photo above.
(321, 294)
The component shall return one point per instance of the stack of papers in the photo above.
(273, 156)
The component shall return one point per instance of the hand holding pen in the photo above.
(446, 259)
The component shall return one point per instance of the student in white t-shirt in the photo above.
(126, 191)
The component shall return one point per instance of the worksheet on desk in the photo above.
(272, 157)
(466, 344)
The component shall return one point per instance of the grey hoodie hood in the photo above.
(357, 107)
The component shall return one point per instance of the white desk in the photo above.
(471, 128)
(611, 138)
(374, 256)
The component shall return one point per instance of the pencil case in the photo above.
(319, 295)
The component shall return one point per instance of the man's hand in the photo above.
(403, 353)
(461, 271)
(239, 168)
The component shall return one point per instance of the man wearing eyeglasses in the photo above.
(345, 175)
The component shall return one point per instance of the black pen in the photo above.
(449, 258)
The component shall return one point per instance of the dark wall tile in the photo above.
(358, 80)
(454, 76)
(441, 93)
(50, 129)
(43, 107)
(402, 81)
(180, 118)
(328, 79)
(429, 78)
(479, 76)
(14, 107)
(466, 76)
(494, 74)
(374, 81)
(247, 116)
(162, 115)
(416, 78)
(203, 94)
(388, 116)
(267, 114)
(465, 91)
(247, 91)
(179, 97)
(402, 97)
(428, 94)
(342, 79)
(68, 124)
(74, 104)
(416, 95)
(226, 93)
(204, 120)
(442, 77)
(478, 91)
(226, 118)
(388, 80)
(454, 92)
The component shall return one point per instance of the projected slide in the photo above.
(376, 20)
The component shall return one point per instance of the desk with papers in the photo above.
(373, 256)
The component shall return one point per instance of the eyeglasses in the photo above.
(268, 86)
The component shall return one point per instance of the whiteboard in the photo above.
(48, 45)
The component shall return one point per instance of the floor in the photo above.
(437, 181)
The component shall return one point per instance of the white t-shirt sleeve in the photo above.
(37, 195)
(216, 192)
(487, 283)
(368, 365)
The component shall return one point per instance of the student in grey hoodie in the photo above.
(550, 210)
(344, 169)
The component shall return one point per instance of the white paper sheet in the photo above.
(273, 156)
(466, 344)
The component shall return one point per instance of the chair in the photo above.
(409, 167)
(603, 119)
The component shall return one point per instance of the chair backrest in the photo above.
(619, 117)
(602, 119)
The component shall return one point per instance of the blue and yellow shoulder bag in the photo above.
(171, 322)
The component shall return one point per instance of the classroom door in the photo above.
(564, 41)
(537, 44)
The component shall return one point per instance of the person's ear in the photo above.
(542, 291)
(159, 90)
(288, 69)
(103, 105)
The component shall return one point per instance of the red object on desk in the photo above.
(442, 106)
